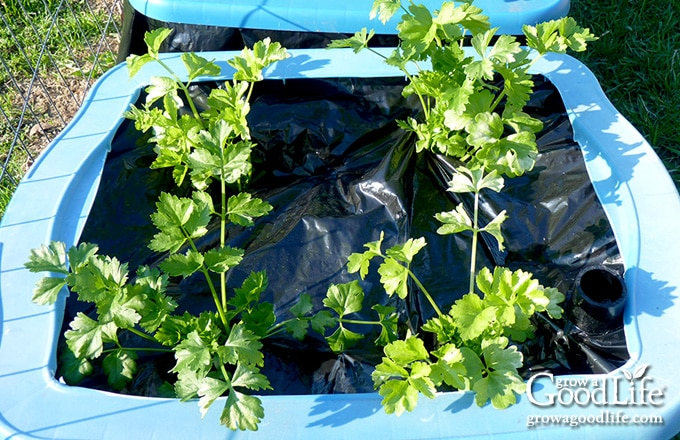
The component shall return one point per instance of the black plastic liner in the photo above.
(337, 170)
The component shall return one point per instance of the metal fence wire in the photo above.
(51, 52)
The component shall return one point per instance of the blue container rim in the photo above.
(53, 201)
(346, 16)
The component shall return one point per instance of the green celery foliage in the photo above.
(473, 350)
(472, 104)
(218, 352)
(460, 94)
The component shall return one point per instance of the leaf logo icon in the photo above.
(640, 371)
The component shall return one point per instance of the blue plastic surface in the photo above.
(345, 16)
(52, 202)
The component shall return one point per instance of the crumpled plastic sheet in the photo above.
(336, 168)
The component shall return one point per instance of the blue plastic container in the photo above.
(345, 16)
(639, 197)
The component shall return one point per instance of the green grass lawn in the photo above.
(637, 62)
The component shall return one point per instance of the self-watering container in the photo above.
(639, 398)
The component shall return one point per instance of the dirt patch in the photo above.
(42, 104)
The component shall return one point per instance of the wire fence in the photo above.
(51, 52)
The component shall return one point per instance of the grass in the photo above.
(637, 62)
(50, 52)
(64, 31)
